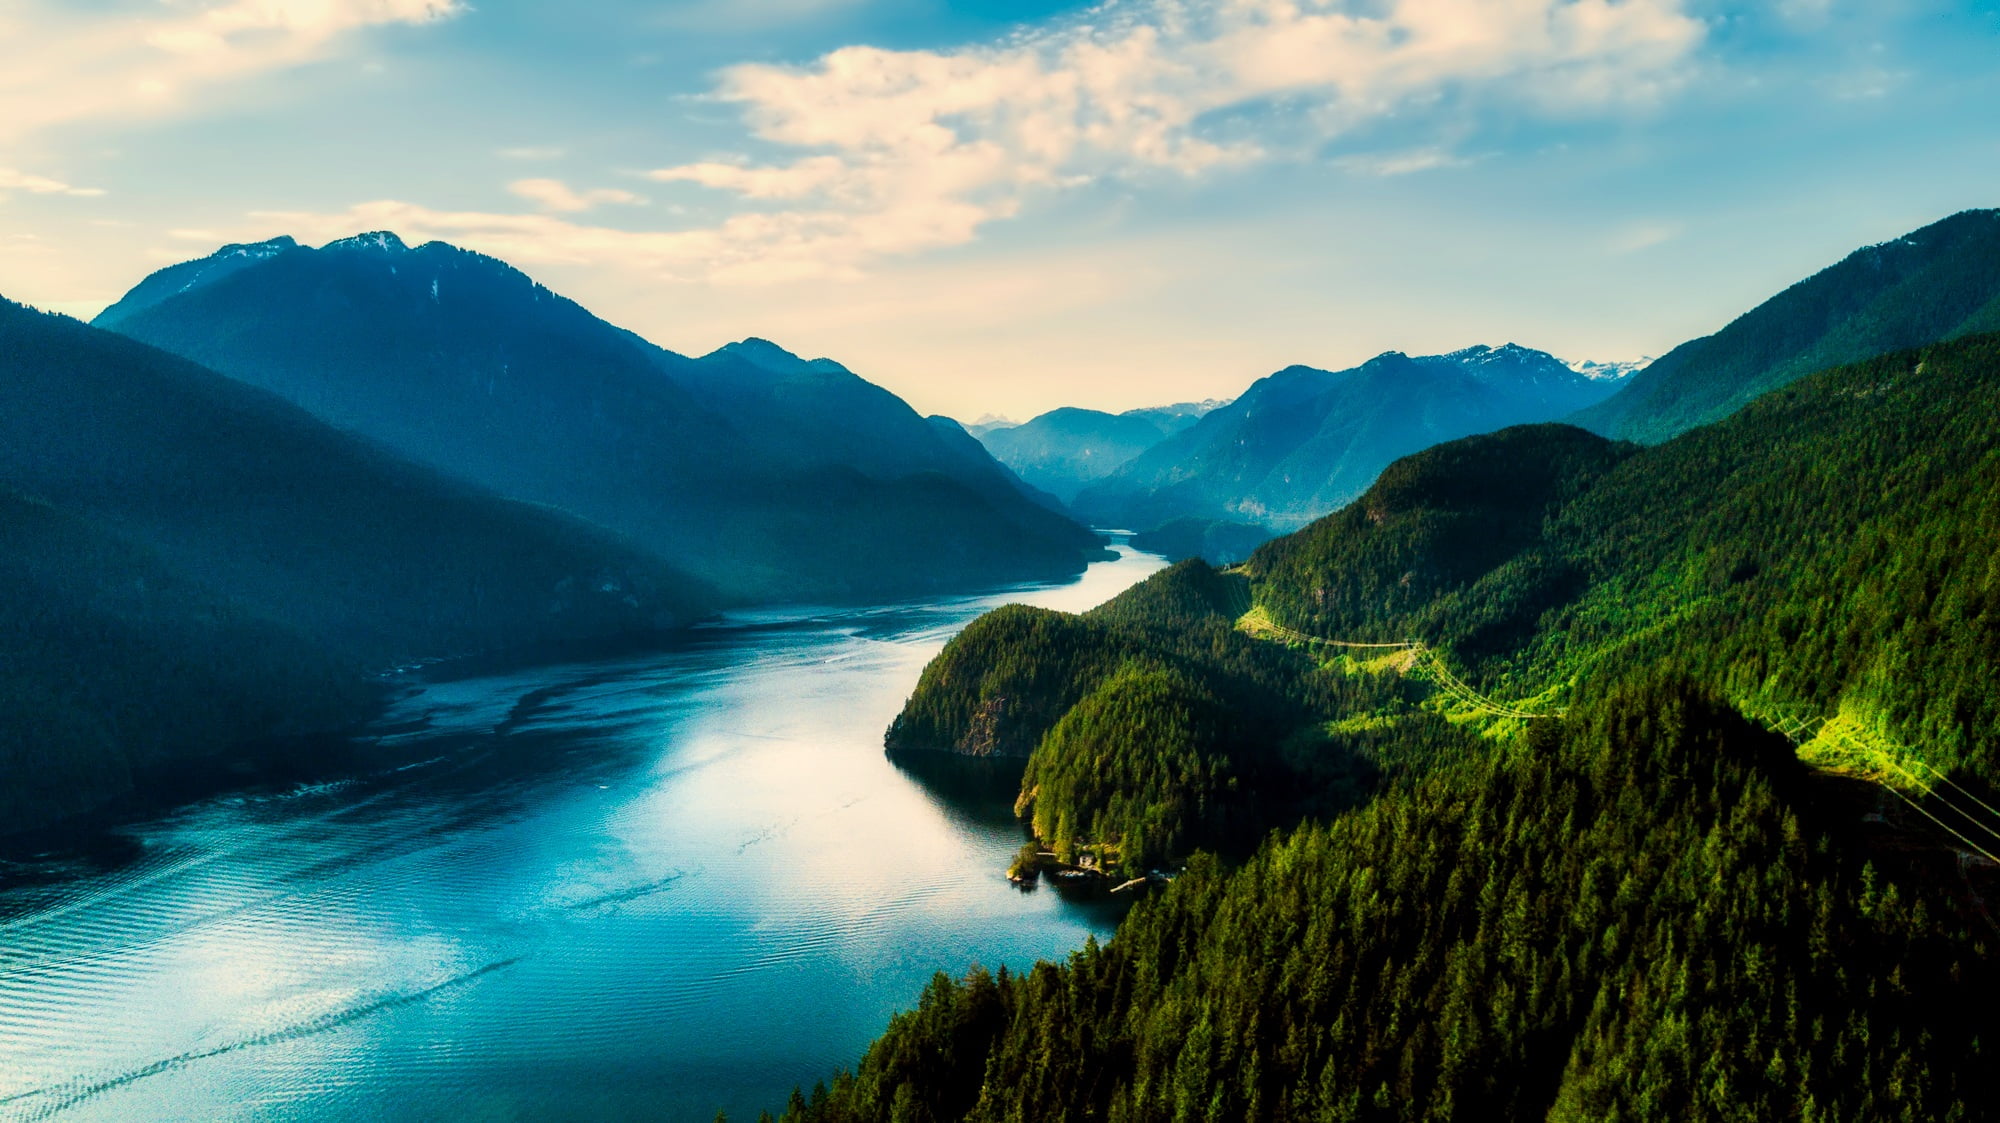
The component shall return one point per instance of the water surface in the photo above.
(644, 887)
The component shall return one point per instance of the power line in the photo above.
(1422, 655)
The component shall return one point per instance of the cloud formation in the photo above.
(58, 65)
(875, 153)
(909, 150)
(12, 180)
(555, 195)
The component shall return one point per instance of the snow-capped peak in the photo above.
(1609, 371)
(256, 250)
(381, 241)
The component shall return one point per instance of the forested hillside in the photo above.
(1636, 914)
(111, 663)
(1644, 905)
(197, 564)
(1938, 283)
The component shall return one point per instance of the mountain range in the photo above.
(1665, 792)
(265, 476)
(768, 476)
(1066, 449)
(1301, 442)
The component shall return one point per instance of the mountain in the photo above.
(196, 564)
(770, 476)
(1064, 450)
(1941, 282)
(1217, 541)
(1667, 795)
(818, 412)
(1301, 442)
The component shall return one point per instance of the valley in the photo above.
(423, 697)
(531, 884)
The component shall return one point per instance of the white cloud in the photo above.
(909, 150)
(11, 180)
(555, 195)
(1405, 162)
(58, 65)
(753, 248)
(894, 152)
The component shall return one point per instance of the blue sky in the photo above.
(1006, 207)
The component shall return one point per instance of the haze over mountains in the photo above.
(767, 475)
(1301, 442)
(404, 453)
(1064, 450)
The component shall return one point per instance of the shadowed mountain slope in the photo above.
(200, 563)
(773, 477)
(1303, 441)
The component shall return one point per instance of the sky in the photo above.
(998, 208)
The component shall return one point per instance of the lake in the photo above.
(648, 886)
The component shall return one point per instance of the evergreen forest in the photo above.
(1667, 794)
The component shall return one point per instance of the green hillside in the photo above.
(194, 564)
(1938, 283)
(1645, 905)
(1634, 915)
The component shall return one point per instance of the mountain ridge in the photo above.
(1936, 283)
(208, 565)
(775, 479)
(1645, 903)
(1302, 440)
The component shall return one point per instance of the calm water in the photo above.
(646, 888)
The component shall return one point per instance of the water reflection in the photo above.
(650, 885)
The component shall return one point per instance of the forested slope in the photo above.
(1938, 283)
(193, 564)
(1826, 549)
(1632, 916)
(111, 663)
(1644, 906)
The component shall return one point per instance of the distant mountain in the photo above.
(193, 563)
(819, 413)
(987, 422)
(772, 476)
(1615, 370)
(1738, 868)
(1183, 413)
(1216, 541)
(1939, 283)
(1064, 450)
(1303, 441)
